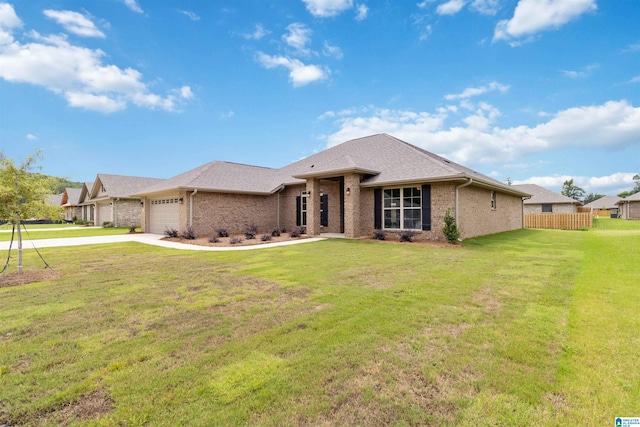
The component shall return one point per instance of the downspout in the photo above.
(191, 207)
(457, 188)
(278, 208)
(114, 213)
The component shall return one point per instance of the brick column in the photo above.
(352, 206)
(313, 207)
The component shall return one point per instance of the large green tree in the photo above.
(23, 195)
(636, 188)
(573, 191)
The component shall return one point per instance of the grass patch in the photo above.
(509, 329)
(43, 233)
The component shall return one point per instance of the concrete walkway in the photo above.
(149, 239)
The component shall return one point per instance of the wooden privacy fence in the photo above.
(561, 221)
(601, 212)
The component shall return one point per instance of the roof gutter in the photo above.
(457, 188)
(191, 207)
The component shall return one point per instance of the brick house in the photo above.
(375, 182)
(111, 199)
(607, 205)
(629, 207)
(546, 201)
(71, 203)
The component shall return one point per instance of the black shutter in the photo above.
(324, 210)
(426, 207)
(377, 209)
(298, 213)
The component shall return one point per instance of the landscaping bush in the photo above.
(107, 224)
(303, 230)
(379, 235)
(222, 232)
(296, 232)
(171, 232)
(265, 237)
(235, 240)
(251, 232)
(450, 230)
(275, 232)
(132, 229)
(188, 234)
(406, 235)
(214, 239)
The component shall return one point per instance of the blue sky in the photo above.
(532, 90)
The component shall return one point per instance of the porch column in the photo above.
(352, 206)
(313, 207)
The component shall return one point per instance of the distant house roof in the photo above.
(71, 196)
(606, 202)
(54, 200)
(116, 186)
(540, 195)
(382, 159)
(632, 198)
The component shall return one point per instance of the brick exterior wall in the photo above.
(476, 218)
(127, 212)
(71, 211)
(630, 210)
(557, 208)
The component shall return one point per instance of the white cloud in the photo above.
(8, 17)
(298, 37)
(74, 22)
(300, 74)
(227, 115)
(78, 74)
(476, 91)
(609, 184)
(533, 16)
(424, 4)
(133, 5)
(636, 79)
(614, 124)
(31, 137)
(362, 12)
(333, 51)
(451, 7)
(425, 33)
(327, 8)
(585, 72)
(191, 15)
(486, 7)
(258, 33)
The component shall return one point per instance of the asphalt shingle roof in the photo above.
(632, 198)
(122, 186)
(383, 159)
(71, 196)
(608, 202)
(541, 195)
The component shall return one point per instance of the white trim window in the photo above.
(402, 208)
(303, 210)
(493, 200)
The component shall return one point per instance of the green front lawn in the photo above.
(532, 327)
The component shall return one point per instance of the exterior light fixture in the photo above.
(348, 190)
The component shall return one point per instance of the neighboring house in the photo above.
(629, 207)
(54, 200)
(87, 208)
(606, 203)
(71, 203)
(546, 201)
(376, 182)
(113, 200)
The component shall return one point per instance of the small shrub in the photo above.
(450, 229)
(107, 224)
(379, 235)
(406, 235)
(132, 229)
(235, 240)
(295, 232)
(171, 232)
(265, 237)
(276, 232)
(283, 229)
(222, 232)
(251, 232)
(188, 234)
(214, 239)
(303, 230)
(74, 219)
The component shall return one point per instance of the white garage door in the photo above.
(163, 215)
(104, 213)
